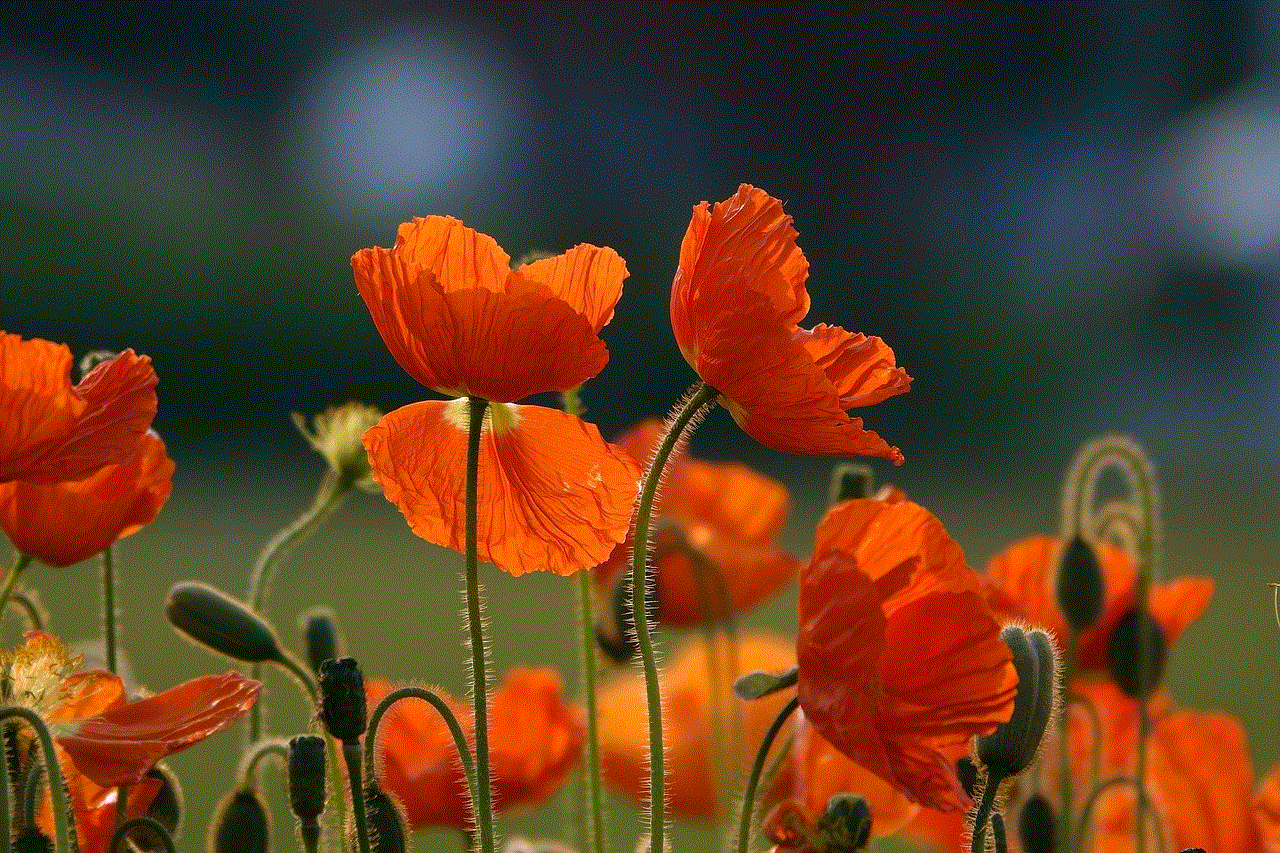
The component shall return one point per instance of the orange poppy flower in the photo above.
(64, 523)
(53, 430)
(736, 300)
(552, 493)
(721, 517)
(110, 740)
(534, 742)
(1025, 573)
(900, 660)
(94, 808)
(1266, 810)
(691, 720)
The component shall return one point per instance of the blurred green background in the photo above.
(1064, 218)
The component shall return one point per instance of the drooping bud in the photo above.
(850, 480)
(967, 772)
(342, 699)
(1037, 825)
(336, 434)
(240, 825)
(1122, 654)
(306, 767)
(386, 821)
(845, 825)
(220, 622)
(1079, 586)
(1012, 747)
(319, 627)
(166, 807)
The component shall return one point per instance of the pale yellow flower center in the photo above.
(498, 417)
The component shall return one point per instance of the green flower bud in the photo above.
(166, 808)
(32, 840)
(220, 622)
(319, 628)
(1122, 654)
(967, 772)
(850, 480)
(1012, 747)
(845, 825)
(1037, 825)
(306, 768)
(386, 821)
(240, 825)
(342, 699)
(1079, 586)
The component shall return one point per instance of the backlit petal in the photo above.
(458, 257)
(863, 369)
(588, 278)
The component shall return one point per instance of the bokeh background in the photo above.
(1065, 218)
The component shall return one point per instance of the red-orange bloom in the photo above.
(110, 740)
(1266, 810)
(1025, 573)
(900, 660)
(94, 808)
(716, 524)
(64, 523)
(534, 741)
(736, 300)
(553, 494)
(696, 718)
(53, 430)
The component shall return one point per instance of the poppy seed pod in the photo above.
(386, 821)
(1079, 588)
(32, 840)
(848, 481)
(846, 823)
(306, 779)
(1122, 655)
(342, 699)
(1037, 825)
(240, 825)
(1012, 747)
(220, 622)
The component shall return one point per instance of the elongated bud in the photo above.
(319, 628)
(1122, 654)
(342, 699)
(220, 622)
(850, 480)
(240, 825)
(1037, 825)
(1012, 747)
(306, 783)
(1079, 585)
(386, 821)
(967, 772)
(32, 840)
(166, 808)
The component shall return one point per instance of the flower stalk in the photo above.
(475, 624)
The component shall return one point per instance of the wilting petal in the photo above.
(53, 431)
(64, 523)
(118, 746)
(552, 494)
(588, 278)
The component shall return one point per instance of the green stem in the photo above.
(57, 787)
(762, 754)
(352, 752)
(109, 608)
(35, 620)
(479, 670)
(259, 751)
(6, 804)
(982, 814)
(304, 676)
(156, 832)
(997, 832)
(11, 580)
(591, 757)
(700, 397)
(1065, 783)
(31, 789)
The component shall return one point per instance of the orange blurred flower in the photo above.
(694, 714)
(736, 300)
(94, 808)
(552, 493)
(900, 660)
(1266, 810)
(53, 430)
(534, 741)
(716, 524)
(64, 523)
(112, 741)
(1025, 573)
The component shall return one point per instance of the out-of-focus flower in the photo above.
(53, 430)
(534, 741)
(552, 493)
(1266, 810)
(335, 435)
(1024, 575)
(64, 523)
(900, 659)
(716, 523)
(698, 717)
(110, 740)
(736, 300)
(94, 808)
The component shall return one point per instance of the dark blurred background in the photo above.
(1065, 218)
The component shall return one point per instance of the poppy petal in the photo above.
(458, 257)
(552, 494)
(588, 278)
(863, 369)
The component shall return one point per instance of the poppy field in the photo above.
(659, 651)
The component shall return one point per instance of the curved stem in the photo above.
(157, 832)
(479, 671)
(352, 753)
(31, 788)
(109, 608)
(762, 754)
(57, 787)
(1086, 813)
(264, 749)
(28, 606)
(700, 397)
(983, 813)
(6, 804)
(11, 580)
(290, 664)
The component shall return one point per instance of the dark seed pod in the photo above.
(1037, 825)
(240, 825)
(1079, 586)
(342, 699)
(1122, 654)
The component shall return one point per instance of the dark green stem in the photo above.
(479, 671)
(35, 621)
(156, 832)
(997, 832)
(11, 580)
(352, 753)
(6, 804)
(109, 608)
(57, 787)
(982, 814)
(762, 754)
(1065, 782)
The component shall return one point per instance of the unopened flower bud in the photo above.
(32, 840)
(342, 699)
(1037, 825)
(336, 434)
(850, 480)
(1012, 747)
(967, 773)
(166, 807)
(215, 619)
(306, 768)
(319, 628)
(1079, 585)
(386, 821)
(845, 825)
(1122, 654)
(240, 825)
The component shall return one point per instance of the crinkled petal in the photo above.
(552, 494)
(588, 278)
(88, 694)
(458, 257)
(863, 369)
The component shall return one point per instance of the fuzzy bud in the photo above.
(240, 825)
(32, 840)
(220, 622)
(319, 628)
(849, 480)
(1122, 654)
(1079, 585)
(342, 699)
(846, 823)
(1037, 825)
(306, 781)
(387, 832)
(166, 807)
(1012, 747)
